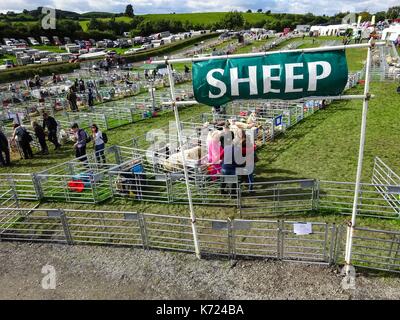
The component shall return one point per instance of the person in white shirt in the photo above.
(99, 144)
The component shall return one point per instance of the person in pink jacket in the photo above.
(215, 152)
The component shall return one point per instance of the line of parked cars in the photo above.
(25, 54)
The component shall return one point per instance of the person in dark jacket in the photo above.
(90, 97)
(81, 141)
(41, 136)
(228, 164)
(82, 85)
(51, 124)
(4, 148)
(72, 99)
(23, 138)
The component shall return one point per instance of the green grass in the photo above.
(356, 58)
(209, 17)
(194, 18)
(85, 23)
(325, 145)
(49, 48)
(7, 57)
(255, 44)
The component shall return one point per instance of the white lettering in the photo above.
(252, 80)
(314, 77)
(216, 83)
(268, 78)
(290, 77)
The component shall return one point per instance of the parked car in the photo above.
(33, 41)
(122, 43)
(57, 41)
(67, 40)
(100, 44)
(44, 40)
(9, 64)
(88, 44)
(109, 43)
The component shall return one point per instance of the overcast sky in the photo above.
(167, 6)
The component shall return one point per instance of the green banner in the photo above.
(286, 76)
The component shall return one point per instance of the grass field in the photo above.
(7, 57)
(195, 18)
(50, 48)
(210, 17)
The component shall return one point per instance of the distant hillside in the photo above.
(202, 18)
(209, 17)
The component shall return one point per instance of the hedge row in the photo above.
(26, 72)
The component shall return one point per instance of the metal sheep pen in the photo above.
(365, 97)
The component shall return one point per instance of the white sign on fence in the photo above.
(302, 228)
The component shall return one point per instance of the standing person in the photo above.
(81, 140)
(41, 136)
(24, 139)
(187, 71)
(90, 97)
(99, 141)
(249, 157)
(228, 164)
(71, 97)
(4, 148)
(82, 85)
(215, 152)
(76, 85)
(51, 124)
(37, 81)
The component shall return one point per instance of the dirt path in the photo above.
(93, 272)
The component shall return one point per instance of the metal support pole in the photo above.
(180, 140)
(350, 233)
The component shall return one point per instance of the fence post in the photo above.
(105, 122)
(143, 230)
(36, 185)
(332, 245)
(280, 239)
(117, 152)
(11, 183)
(273, 130)
(338, 243)
(65, 226)
(315, 202)
(231, 239)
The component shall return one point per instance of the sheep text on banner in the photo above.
(286, 76)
